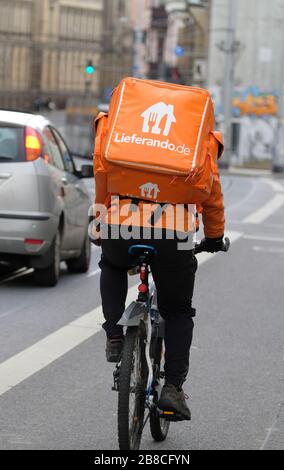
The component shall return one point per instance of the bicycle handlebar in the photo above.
(225, 247)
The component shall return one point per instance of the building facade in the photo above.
(178, 41)
(44, 48)
(194, 39)
(258, 55)
(259, 32)
(117, 44)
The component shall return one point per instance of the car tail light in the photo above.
(143, 288)
(33, 144)
(33, 241)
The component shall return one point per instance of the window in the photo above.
(53, 149)
(68, 163)
(12, 146)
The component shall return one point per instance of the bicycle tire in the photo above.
(130, 431)
(159, 427)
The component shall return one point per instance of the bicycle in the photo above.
(139, 376)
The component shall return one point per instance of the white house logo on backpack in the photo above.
(154, 115)
(153, 118)
(149, 190)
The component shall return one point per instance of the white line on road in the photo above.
(242, 201)
(203, 257)
(264, 238)
(266, 211)
(270, 431)
(275, 185)
(278, 251)
(94, 273)
(33, 359)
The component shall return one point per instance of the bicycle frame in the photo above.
(140, 310)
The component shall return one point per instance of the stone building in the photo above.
(117, 43)
(174, 35)
(44, 48)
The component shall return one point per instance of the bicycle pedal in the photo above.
(171, 416)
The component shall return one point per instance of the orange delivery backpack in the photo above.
(157, 143)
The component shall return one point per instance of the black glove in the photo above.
(211, 245)
(95, 231)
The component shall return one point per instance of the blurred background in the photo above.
(63, 57)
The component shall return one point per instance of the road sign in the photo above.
(179, 51)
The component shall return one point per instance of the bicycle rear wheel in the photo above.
(132, 385)
(159, 427)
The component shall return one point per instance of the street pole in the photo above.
(228, 85)
(278, 161)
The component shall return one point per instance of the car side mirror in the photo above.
(87, 171)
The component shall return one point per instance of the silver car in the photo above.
(43, 200)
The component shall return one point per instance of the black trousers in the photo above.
(173, 272)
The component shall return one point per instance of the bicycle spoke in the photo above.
(146, 420)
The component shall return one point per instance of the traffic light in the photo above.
(90, 69)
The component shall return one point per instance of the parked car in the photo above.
(43, 201)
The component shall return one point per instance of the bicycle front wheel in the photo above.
(132, 385)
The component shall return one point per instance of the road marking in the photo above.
(33, 359)
(278, 251)
(204, 257)
(43, 353)
(271, 430)
(267, 225)
(243, 200)
(93, 273)
(264, 238)
(266, 211)
(275, 185)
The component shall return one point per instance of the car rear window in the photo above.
(12, 145)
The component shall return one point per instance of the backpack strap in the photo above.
(98, 118)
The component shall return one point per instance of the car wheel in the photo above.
(48, 277)
(81, 264)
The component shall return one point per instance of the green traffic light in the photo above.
(90, 69)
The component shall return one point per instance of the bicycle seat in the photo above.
(144, 251)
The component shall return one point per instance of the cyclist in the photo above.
(173, 271)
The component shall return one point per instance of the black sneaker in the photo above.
(114, 347)
(172, 404)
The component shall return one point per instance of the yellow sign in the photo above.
(257, 105)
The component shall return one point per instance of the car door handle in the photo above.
(64, 180)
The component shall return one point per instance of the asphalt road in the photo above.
(55, 386)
